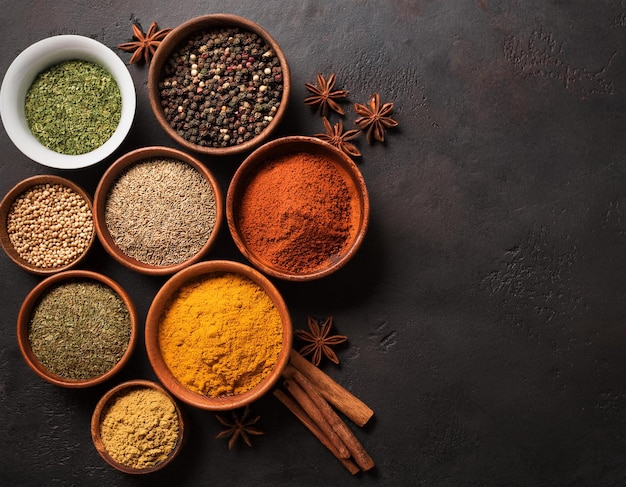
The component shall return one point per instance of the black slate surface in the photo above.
(486, 309)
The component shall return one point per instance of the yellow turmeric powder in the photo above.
(220, 334)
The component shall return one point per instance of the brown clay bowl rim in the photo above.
(5, 208)
(182, 32)
(152, 336)
(111, 175)
(23, 323)
(96, 420)
(276, 148)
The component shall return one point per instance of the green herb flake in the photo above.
(73, 107)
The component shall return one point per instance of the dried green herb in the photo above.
(73, 107)
(80, 329)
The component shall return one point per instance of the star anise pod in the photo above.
(146, 44)
(374, 119)
(319, 341)
(239, 427)
(337, 137)
(323, 96)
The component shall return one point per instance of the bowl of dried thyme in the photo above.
(77, 328)
(219, 84)
(134, 438)
(46, 224)
(157, 210)
(218, 335)
(67, 101)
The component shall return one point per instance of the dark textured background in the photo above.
(486, 309)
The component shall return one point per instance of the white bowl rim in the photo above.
(36, 58)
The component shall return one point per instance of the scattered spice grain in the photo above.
(80, 329)
(220, 335)
(73, 107)
(50, 225)
(296, 212)
(140, 427)
(221, 88)
(160, 211)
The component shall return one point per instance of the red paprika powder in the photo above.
(297, 212)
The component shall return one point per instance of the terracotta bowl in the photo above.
(100, 411)
(29, 305)
(159, 305)
(171, 43)
(37, 58)
(110, 177)
(5, 208)
(359, 205)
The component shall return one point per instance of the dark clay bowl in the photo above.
(110, 177)
(264, 155)
(100, 410)
(153, 321)
(5, 208)
(29, 305)
(170, 45)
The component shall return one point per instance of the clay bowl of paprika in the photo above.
(46, 224)
(158, 210)
(298, 208)
(134, 438)
(218, 335)
(77, 328)
(219, 84)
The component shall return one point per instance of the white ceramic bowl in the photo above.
(23, 71)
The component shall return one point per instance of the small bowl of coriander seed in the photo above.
(77, 328)
(67, 101)
(137, 427)
(157, 210)
(219, 84)
(46, 224)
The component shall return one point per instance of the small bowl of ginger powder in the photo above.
(137, 427)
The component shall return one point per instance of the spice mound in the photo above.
(80, 329)
(50, 225)
(297, 213)
(220, 334)
(139, 427)
(160, 211)
(221, 88)
(73, 107)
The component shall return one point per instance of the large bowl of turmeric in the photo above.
(218, 335)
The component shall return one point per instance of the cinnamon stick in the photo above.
(346, 402)
(311, 409)
(354, 446)
(306, 420)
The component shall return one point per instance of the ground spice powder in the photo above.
(220, 335)
(297, 213)
(140, 427)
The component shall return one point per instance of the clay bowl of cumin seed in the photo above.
(77, 328)
(46, 224)
(157, 210)
(215, 106)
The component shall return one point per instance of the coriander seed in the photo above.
(50, 225)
